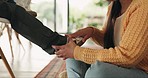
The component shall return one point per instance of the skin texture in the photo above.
(67, 50)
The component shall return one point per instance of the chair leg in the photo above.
(6, 64)
(9, 36)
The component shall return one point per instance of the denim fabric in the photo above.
(78, 69)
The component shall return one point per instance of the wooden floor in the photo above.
(26, 64)
(27, 67)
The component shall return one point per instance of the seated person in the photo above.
(125, 41)
(30, 27)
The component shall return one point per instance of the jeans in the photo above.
(30, 27)
(78, 69)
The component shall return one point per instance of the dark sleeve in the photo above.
(32, 29)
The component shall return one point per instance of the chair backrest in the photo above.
(3, 20)
(24, 3)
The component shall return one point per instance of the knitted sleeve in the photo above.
(133, 45)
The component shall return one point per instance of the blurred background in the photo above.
(62, 16)
(67, 16)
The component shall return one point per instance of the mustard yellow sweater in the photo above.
(133, 47)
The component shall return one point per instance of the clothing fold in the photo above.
(30, 27)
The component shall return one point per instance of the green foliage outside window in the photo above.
(78, 18)
(102, 3)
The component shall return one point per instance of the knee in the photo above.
(75, 68)
(74, 64)
(99, 70)
(70, 63)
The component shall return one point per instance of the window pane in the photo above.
(45, 11)
(61, 16)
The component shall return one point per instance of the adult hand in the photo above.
(65, 51)
(85, 33)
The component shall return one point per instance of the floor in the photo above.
(27, 63)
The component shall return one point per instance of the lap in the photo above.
(76, 69)
(106, 70)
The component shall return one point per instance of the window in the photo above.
(53, 13)
(67, 16)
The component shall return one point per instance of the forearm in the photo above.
(98, 36)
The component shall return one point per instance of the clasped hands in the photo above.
(67, 50)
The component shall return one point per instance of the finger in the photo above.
(64, 58)
(60, 56)
(85, 38)
(58, 53)
(74, 35)
(57, 47)
(71, 41)
(69, 38)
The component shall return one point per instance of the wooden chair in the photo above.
(2, 56)
(6, 22)
(25, 4)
